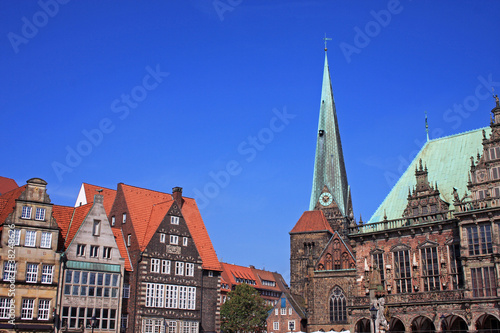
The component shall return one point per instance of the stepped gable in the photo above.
(120, 242)
(311, 221)
(7, 185)
(448, 163)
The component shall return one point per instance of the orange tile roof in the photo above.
(8, 202)
(158, 212)
(108, 194)
(69, 220)
(230, 272)
(120, 242)
(313, 220)
(200, 235)
(7, 184)
(268, 276)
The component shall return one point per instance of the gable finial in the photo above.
(426, 126)
(326, 39)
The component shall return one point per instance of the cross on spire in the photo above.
(326, 39)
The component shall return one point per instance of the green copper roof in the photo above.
(448, 163)
(329, 167)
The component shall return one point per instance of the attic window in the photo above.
(40, 214)
(96, 231)
(129, 238)
(174, 219)
(26, 214)
(113, 220)
(124, 219)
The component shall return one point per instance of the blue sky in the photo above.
(222, 98)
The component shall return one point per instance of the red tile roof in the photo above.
(147, 208)
(231, 272)
(8, 202)
(267, 276)
(120, 242)
(7, 185)
(108, 194)
(69, 220)
(313, 220)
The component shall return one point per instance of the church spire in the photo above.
(329, 167)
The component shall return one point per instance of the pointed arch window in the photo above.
(338, 306)
(328, 262)
(345, 260)
(336, 254)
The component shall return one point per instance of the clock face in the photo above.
(325, 199)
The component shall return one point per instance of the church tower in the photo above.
(330, 190)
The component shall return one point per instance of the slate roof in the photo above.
(7, 185)
(448, 163)
(311, 221)
(147, 208)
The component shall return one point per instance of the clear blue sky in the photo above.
(177, 93)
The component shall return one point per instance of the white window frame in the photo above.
(126, 290)
(80, 250)
(27, 308)
(40, 214)
(276, 325)
(31, 272)
(5, 306)
(46, 240)
(179, 268)
(184, 241)
(129, 239)
(174, 219)
(124, 218)
(113, 220)
(14, 237)
(283, 311)
(189, 269)
(162, 237)
(26, 212)
(276, 311)
(174, 240)
(106, 252)
(47, 274)
(165, 266)
(155, 265)
(94, 251)
(9, 270)
(171, 296)
(30, 238)
(290, 323)
(43, 309)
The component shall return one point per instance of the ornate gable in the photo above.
(424, 201)
(336, 256)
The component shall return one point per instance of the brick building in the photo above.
(287, 315)
(427, 259)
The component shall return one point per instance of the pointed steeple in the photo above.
(329, 167)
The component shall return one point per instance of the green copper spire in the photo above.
(329, 167)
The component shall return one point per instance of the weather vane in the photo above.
(326, 39)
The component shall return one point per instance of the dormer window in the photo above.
(26, 214)
(174, 219)
(40, 214)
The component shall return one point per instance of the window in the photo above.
(165, 266)
(9, 271)
(479, 239)
(162, 238)
(481, 194)
(174, 219)
(43, 309)
(430, 268)
(291, 325)
(276, 325)
(5, 307)
(76, 317)
(113, 221)
(179, 268)
(290, 311)
(40, 214)
(27, 308)
(80, 250)
(483, 282)
(106, 252)
(154, 295)
(172, 327)
(129, 239)
(124, 218)
(47, 273)
(191, 298)
(14, 237)
(46, 241)
(31, 273)
(495, 172)
(155, 265)
(152, 325)
(126, 290)
(338, 306)
(171, 296)
(174, 240)
(378, 262)
(456, 271)
(30, 238)
(402, 271)
(283, 311)
(189, 269)
(84, 283)
(184, 241)
(210, 274)
(124, 322)
(94, 251)
(96, 230)
(494, 153)
(26, 213)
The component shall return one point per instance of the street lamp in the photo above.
(94, 321)
(373, 312)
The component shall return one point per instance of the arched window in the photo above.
(338, 306)
(345, 261)
(336, 254)
(328, 261)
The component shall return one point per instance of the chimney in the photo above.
(177, 195)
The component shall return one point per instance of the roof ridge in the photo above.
(107, 188)
(458, 134)
(143, 188)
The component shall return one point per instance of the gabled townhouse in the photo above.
(92, 270)
(173, 282)
(87, 193)
(270, 285)
(28, 258)
(287, 315)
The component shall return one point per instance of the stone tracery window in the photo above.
(338, 306)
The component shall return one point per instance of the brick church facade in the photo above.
(428, 259)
